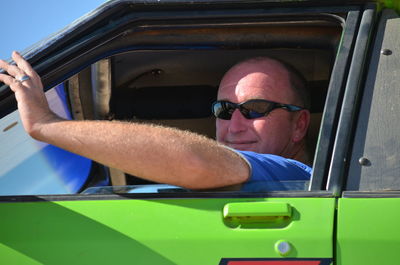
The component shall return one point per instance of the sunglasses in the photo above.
(251, 109)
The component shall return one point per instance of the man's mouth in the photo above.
(240, 144)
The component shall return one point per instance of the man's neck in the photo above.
(302, 154)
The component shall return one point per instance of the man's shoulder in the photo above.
(272, 172)
(275, 167)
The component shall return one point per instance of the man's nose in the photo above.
(238, 123)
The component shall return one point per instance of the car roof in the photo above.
(106, 12)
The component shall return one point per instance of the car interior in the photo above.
(169, 74)
(167, 71)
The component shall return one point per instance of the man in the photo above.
(181, 158)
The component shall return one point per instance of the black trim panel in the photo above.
(371, 194)
(275, 261)
(332, 105)
(340, 156)
(155, 196)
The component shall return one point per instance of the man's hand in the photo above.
(32, 103)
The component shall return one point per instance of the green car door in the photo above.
(368, 212)
(167, 231)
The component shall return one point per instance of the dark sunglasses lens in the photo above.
(256, 109)
(223, 110)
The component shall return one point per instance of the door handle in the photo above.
(270, 214)
(257, 209)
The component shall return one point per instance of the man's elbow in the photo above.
(212, 177)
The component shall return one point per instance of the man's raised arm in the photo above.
(155, 153)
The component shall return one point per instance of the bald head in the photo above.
(275, 73)
(281, 132)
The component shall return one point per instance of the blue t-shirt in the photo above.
(272, 172)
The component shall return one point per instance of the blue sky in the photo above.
(25, 22)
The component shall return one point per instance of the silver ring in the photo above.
(22, 78)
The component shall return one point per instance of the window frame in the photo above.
(58, 55)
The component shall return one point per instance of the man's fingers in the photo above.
(11, 69)
(23, 64)
(8, 80)
(21, 77)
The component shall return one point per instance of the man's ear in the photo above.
(302, 123)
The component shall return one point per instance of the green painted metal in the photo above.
(164, 231)
(367, 231)
(394, 4)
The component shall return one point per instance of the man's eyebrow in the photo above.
(225, 99)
